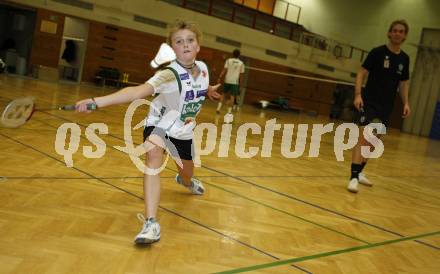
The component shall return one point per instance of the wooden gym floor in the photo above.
(263, 215)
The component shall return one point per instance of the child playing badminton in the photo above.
(181, 87)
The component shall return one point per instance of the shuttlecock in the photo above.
(164, 55)
(264, 103)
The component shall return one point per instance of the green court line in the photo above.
(286, 212)
(325, 254)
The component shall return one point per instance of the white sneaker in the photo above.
(195, 188)
(363, 180)
(353, 185)
(150, 232)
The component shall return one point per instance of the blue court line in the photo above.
(260, 203)
(161, 207)
(314, 205)
(280, 193)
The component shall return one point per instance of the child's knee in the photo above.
(154, 157)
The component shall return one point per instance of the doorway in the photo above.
(73, 48)
(16, 28)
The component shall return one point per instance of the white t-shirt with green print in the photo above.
(179, 99)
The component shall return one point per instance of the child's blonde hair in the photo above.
(183, 24)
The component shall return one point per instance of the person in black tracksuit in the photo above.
(387, 67)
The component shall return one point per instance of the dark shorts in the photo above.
(371, 114)
(231, 88)
(182, 149)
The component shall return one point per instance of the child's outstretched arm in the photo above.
(125, 95)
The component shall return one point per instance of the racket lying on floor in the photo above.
(20, 110)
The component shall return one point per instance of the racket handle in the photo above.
(91, 106)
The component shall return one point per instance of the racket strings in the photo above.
(19, 111)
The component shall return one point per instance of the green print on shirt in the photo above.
(190, 110)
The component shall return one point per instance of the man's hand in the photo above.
(358, 102)
(212, 92)
(406, 110)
